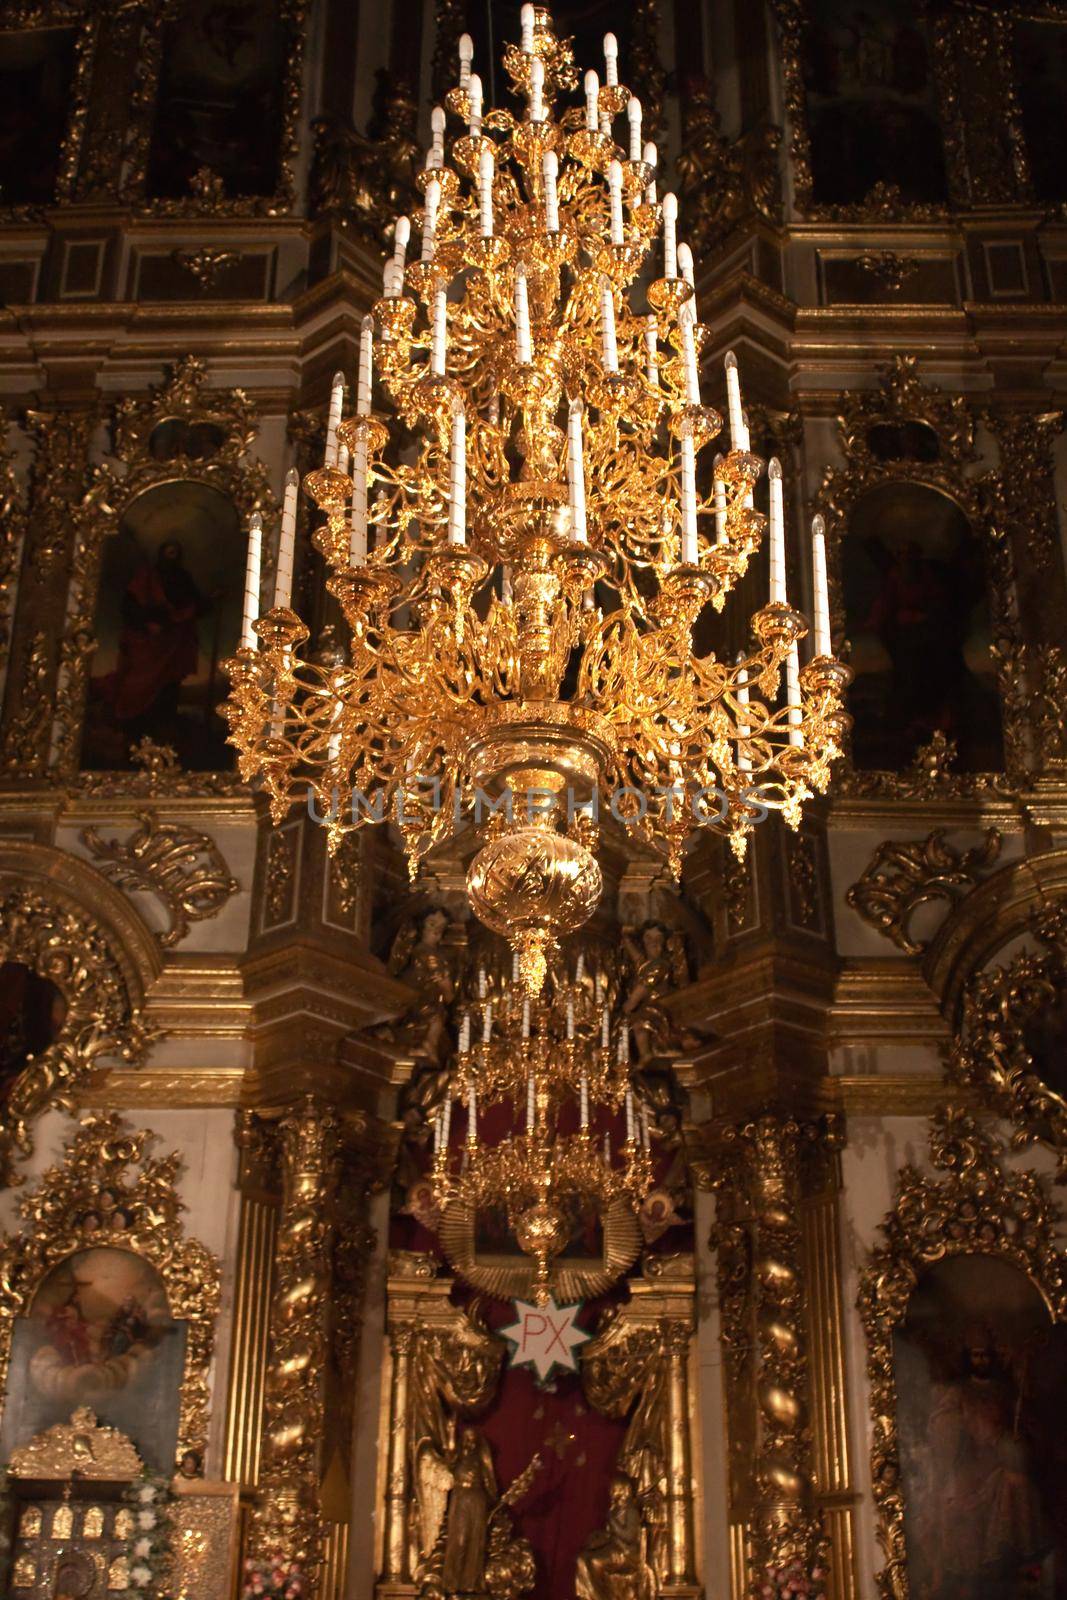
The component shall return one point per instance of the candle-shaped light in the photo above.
(537, 90)
(583, 1111)
(592, 96)
(651, 157)
(744, 729)
(333, 417)
(253, 568)
(718, 491)
(390, 285)
(610, 349)
(438, 1129)
(366, 366)
(283, 587)
(776, 536)
(615, 200)
(526, 1017)
(466, 56)
(472, 1112)
(795, 715)
(485, 190)
(527, 17)
(429, 218)
(689, 502)
(629, 1116)
(670, 235)
(738, 426)
(401, 236)
(523, 338)
(651, 342)
(570, 1018)
(605, 1028)
(487, 1022)
(644, 1123)
(576, 470)
(474, 95)
(465, 1031)
(437, 146)
(457, 506)
(820, 591)
(579, 970)
(515, 966)
(447, 1128)
(439, 342)
(633, 117)
(624, 1046)
(531, 1104)
(611, 59)
(481, 983)
(550, 173)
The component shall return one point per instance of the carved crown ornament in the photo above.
(99, 961)
(108, 1190)
(903, 875)
(182, 431)
(182, 866)
(1012, 1037)
(977, 1208)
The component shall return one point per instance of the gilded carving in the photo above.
(206, 265)
(887, 269)
(182, 866)
(1011, 1036)
(903, 875)
(79, 1446)
(59, 1216)
(976, 1208)
(279, 889)
(613, 1562)
(67, 946)
(471, 1542)
(13, 527)
(802, 867)
(363, 182)
(721, 182)
(158, 772)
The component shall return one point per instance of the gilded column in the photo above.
(758, 1189)
(401, 1341)
(252, 1297)
(677, 1337)
(288, 1515)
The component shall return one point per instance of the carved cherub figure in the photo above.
(657, 964)
(421, 959)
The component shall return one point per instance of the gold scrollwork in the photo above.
(901, 876)
(1004, 1009)
(79, 1446)
(59, 1216)
(184, 867)
(977, 1208)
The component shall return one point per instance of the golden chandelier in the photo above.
(522, 550)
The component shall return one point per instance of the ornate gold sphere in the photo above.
(532, 886)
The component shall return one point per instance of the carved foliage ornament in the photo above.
(977, 1208)
(183, 397)
(65, 945)
(79, 1446)
(183, 867)
(993, 1052)
(904, 875)
(60, 1216)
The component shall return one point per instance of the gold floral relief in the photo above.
(66, 1212)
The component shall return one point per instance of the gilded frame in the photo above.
(977, 1208)
(206, 197)
(989, 1051)
(22, 16)
(183, 395)
(105, 1152)
(902, 397)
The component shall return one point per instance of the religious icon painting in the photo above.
(37, 67)
(168, 615)
(98, 1333)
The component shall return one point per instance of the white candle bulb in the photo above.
(531, 1104)
(738, 426)
(429, 218)
(576, 470)
(611, 59)
(474, 94)
(457, 509)
(481, 983)
(629, 1116)
(592, 95)
(607, 328)
(792, 696)
(366, 367)
(776, 542)
(579, 970)
(472, 1113)
(526, 1017)
(598, 987)
(651, 339)
(342, 459)
(437, 128)
(820, 590)
(605, 1028)
(615, 200)
(485, 190)
(526, 22)
(465, 1031)
(644, 1123)
(584, 1102)
(570, 1019)
(487, 1023)
(253, 567)
(466, 56)
(515, 966)
(447, 1128)
(283, 586)
(438, 1125)
(389, 284)
(523, 339)
(439, 343)
(624, 1046)
(744, 760)
(633, 117)
(651, 157)
(689, 503)
(333, 418)
(401, 235)
(550, 172)
(688, 311)
(537, 90)
(670, 235)
(719, 499)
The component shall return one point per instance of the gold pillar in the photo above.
(401, 1341)
(252, 1294)
(288, 1516)
(677, 1337)
(762, 1296)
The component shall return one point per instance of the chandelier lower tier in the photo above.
(522, 549)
